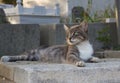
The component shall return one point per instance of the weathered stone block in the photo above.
(108, 54)
(112, 54)
(6, 71)
(106, 71)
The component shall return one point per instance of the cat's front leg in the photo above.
(94, 59)
(75, 60)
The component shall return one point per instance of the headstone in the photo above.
(77, 14)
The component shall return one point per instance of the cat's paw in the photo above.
(80, 64)
(5, 59)
(95, 59)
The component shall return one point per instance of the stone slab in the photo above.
(4, 80)
(106, 71)
(15, 39)
(112, 54)
(108, 54)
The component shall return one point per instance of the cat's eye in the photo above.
(76, 33)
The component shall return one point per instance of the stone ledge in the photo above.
(107, 71)
(108, 54)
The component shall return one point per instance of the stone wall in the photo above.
(55, 34)
(93, 33)
(15, 39)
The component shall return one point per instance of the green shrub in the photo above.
(104, 37)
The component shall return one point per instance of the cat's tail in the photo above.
(19, 58)
(13, 58)
(27, 57)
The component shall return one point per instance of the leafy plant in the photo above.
(109, 12)
(99, 16)
(116, 47)
(104, 37)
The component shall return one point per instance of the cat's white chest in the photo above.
(85, 50)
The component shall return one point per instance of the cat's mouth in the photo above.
(73, 41)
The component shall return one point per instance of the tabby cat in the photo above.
(78, 49)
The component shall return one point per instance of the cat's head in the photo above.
(76, 34)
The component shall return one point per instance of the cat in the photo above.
(77, 50)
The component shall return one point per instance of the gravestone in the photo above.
(2, 16)
(77, 14)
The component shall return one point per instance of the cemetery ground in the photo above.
(15, 39)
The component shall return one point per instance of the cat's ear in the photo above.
(84, 25)
(66, 28)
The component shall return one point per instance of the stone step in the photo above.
(106, 71)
